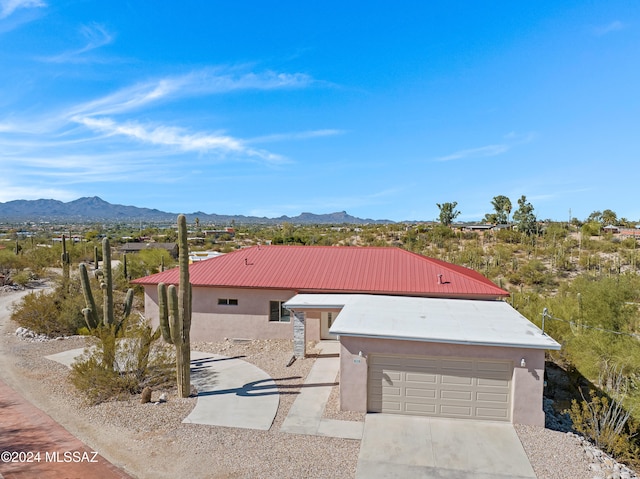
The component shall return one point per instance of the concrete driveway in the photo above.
(396, 446)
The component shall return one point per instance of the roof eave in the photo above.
(555, 346)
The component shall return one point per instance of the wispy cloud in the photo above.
(177, 137)
(512, 138)
(480, 152)
(104, 140)
(301, 135)
(202, 82)
(7, 7)
(614, 26)
(95, 36)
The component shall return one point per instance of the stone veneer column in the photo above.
(299, 342)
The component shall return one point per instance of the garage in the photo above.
(444, 387)
(453, 358)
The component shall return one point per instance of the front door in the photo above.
(326, 320)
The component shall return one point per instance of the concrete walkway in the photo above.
(396, 446)
(231, 392)
(305, 415)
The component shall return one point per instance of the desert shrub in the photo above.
(509, 236)
(54, 313)
(22, 278)
(99, 383)
(603, 418)
(118, 367)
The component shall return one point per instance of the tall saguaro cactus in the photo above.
(110, 327)
(175, 313)
(106, 284)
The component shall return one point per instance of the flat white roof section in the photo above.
(457, 321)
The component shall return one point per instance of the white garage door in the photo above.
(425, 386)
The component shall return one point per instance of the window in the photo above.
(278, 313)
(230, 302)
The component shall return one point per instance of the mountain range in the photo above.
(89, 209)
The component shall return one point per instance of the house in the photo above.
(172, 248)
(418, 335)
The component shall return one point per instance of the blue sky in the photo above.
(382, 109)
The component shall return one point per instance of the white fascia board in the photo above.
(552, 343)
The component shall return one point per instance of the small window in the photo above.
(278, 313)
(227, 301)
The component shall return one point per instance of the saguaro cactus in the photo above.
(106, 284)
(65, 258)
(175, 313)
(110, 328)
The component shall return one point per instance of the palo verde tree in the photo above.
(448, 212)
(502, 208)
(175, 313)
(523, 217)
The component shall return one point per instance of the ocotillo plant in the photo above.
(110, 327)
(175, 313)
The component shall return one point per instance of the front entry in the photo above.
(326, 320)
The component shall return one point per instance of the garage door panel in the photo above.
(421, 409)
(420, 393)
(421, 377)
(392, 407)
(459, 388)
(492, 397)
(456, 411)
(491, 413)
(492, 383)
(456, 395)
(388, 391)
(446, 379)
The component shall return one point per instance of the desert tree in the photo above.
(448, 212)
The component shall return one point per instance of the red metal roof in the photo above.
(315, 269)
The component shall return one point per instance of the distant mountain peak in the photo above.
(94, 208)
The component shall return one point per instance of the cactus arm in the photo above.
(175, 321)
(92, 315)
(108, 283)
(128, 303)
(163, 309)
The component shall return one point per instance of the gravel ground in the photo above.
(150, 440)
(553, 454)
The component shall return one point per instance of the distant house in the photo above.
(418, 335)
(611, 229)
(195, 256)
(630, 233)
(172, 248)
